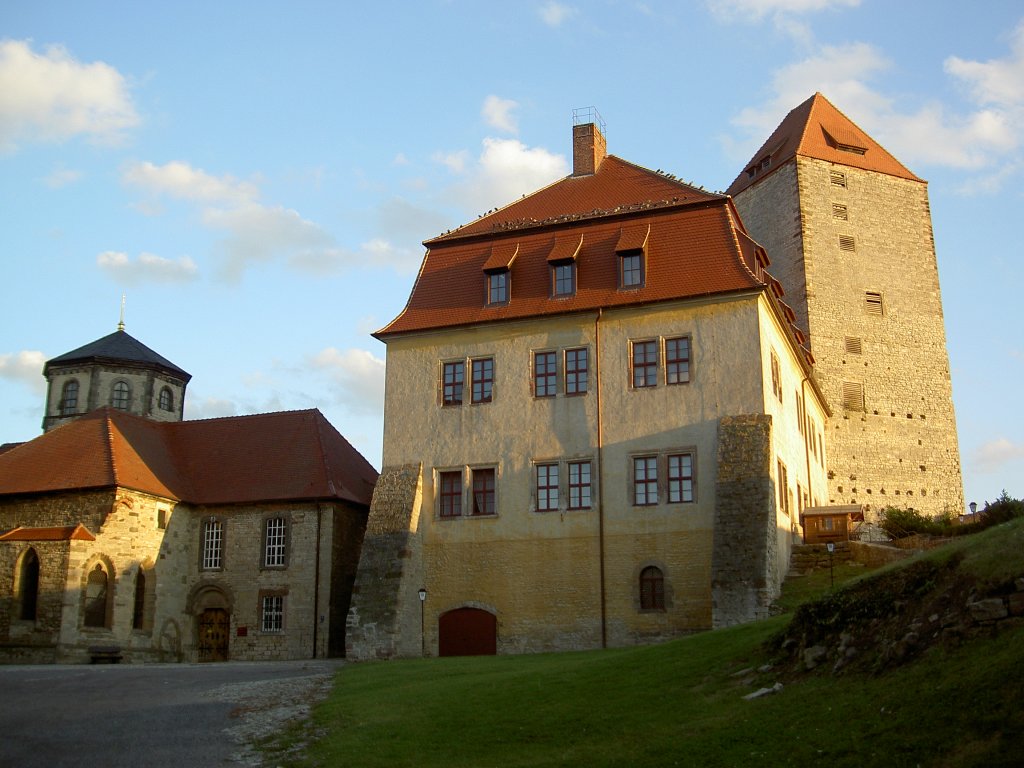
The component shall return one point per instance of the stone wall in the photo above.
(743, 563)
(390, 571)
(900, 447)
(161, 540)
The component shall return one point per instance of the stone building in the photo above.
(117, 370)
(849, 231)
(600, 426)
(233, 538)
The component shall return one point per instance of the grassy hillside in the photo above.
(957, 700)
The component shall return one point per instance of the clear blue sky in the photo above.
(257, 177)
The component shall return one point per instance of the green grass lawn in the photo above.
(681, 703)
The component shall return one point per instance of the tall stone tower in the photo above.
(117, 370)
(848, 230)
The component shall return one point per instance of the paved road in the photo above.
(152, 715)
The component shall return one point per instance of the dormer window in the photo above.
(564, 276)
(562, 259)
(631, 249)
(631, 270)
(498, 272)
(498, 287)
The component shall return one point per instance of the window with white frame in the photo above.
(213, 544)
(272, 613)
(275, 539)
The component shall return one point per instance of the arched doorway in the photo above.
(214, 625)
(467, 632)
(211, 606)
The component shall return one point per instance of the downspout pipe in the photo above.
(807, 446)
(600, 479)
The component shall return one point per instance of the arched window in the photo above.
(139, 613)
(652, 589)
(120, 396)
(97, 595)
(28, 585)
(69, 398)
(166, 399)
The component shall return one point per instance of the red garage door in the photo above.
(468, 632)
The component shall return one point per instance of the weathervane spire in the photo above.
(120, 323)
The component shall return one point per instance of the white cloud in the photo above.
(209, 407)
(262, 234)
(755, 10)
(50, 96)
(553, 14)
(455, 161)
(182, 181)
(933, 133)
(992, 455)
(358, 376)
(25, 367)
(505, 170)
(148, 268)
(997, 82)
(497, 113)
(61, 177)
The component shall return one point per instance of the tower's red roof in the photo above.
(818, 130)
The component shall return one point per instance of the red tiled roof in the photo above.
(817, 129)
(692, 242)
(617, 186)
(242, 459)
(55, 533)
(690, 251)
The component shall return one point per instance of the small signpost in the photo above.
(831, 574)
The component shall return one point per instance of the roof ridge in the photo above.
(109, 444)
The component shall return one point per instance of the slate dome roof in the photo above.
(118, 347)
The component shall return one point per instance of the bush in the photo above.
(1003, 509)
(900, 523)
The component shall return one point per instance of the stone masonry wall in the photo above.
(384, 620)
(899, 448)
(743, 567)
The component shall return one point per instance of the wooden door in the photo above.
(214, 625)
(467, 632)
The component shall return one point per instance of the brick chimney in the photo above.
(588, 144)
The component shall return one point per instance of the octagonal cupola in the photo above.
(117, 370)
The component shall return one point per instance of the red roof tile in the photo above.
(56, 533)
(692, 250)
(817, 129)
(242, 459)
(617, 186)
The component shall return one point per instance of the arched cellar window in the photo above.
(166, 399)
(652, 589)
(120, 396)
(28, 585)
(69, 398)
(139, 612)
(97, 597)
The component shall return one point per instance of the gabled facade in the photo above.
(232, 538)
(595, 412)
(118, 371)
(849, 231)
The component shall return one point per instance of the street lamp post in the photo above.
(423, 635)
